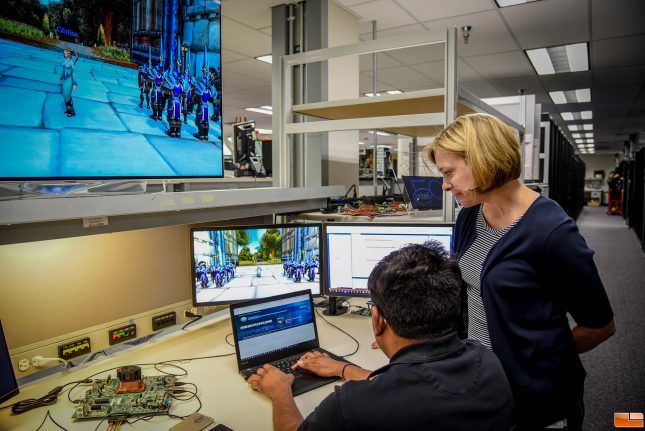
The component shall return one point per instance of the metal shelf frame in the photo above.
(451, 95)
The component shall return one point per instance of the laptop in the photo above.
(425, 193)
(278, 330)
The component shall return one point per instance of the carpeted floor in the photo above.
(616, 369)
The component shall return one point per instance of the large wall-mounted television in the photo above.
(119, 89)
(237, 263)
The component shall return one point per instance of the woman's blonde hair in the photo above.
(490, 147)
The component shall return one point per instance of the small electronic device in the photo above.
(352, 250)
(237, 263)
(425, 193)
(127, 394)
(8, 384)
(278, 330)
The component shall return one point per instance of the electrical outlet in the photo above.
(122, 334)
(164, 321)
(74, 348)
(23, 365)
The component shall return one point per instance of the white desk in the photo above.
(225, 396)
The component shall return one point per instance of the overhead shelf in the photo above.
(415, 106)
(26, 220)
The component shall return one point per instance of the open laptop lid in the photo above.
(425, 193)
(273, 328)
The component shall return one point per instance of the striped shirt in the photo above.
(471, 263)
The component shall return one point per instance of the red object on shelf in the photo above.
(615, 202)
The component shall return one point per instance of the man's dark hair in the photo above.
(417, 289)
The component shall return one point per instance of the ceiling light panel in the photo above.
(506, 3)
(265, 58)
(571, 116)
(571, 96)
(559, 59)
(260, 111)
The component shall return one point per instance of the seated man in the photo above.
(434, 380)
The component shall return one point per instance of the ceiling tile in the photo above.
(622, 75)
(253, 68)
(435, 71)
(566, 81)
(548, 23)
(495, 66)
(480, 88)
(230, 56)
(242, 39)
(512, 85)
(386, 13)
(428, 10)
(617, 52)
(616, 18)
(488, 35)
(351, 2)
(406, 29)
(614, 93)
(255, 14)
(418, 54)
(242, 81)
(404, 78)
(383, 61)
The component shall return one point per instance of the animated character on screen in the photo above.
(201, 117)
(157, 100)
(186, 96)
(68, 81)
(174, 112)
(144, 85)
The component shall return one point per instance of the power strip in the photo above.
(97, 338)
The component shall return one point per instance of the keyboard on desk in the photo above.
(283, 365)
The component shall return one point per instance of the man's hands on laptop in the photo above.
(320, 364)
(270, 381)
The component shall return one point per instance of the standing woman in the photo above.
(68, 81)
(525, 267)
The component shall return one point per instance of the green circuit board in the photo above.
(103, 399)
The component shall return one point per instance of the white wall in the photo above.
(596, 162)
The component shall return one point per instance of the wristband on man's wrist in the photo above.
(342, 370)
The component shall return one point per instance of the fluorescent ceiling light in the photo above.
(506, 3)
(559, 59)
(574, 127)
(576, 135)
(590, 141)
(260, 110)
(264, 131)
(265, 58)
(589, 135)
(371, 94)
(587, 126)
(571, 116)
(506, 100)
(394, 92)
(380, 133)
(571, 96)
(580, 141)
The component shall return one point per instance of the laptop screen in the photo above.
(273, 326)
(425, 193)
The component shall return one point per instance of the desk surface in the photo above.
(225, 396)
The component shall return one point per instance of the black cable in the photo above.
(358, 345)
(49, 399)
(196, 318)
(48, 415)
(167, 364)
(228, 342)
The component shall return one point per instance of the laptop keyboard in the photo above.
(283, 365)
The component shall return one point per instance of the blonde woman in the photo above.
(525, 266)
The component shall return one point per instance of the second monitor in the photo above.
(352, 250)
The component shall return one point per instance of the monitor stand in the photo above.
(334, 308)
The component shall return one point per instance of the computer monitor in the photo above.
(425, 193)
(352, 250)
(237, 263)
(8, 384)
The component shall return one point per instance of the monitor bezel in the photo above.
(5, 352)
(193, 288)
(326, 289)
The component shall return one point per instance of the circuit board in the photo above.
(112, 398)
